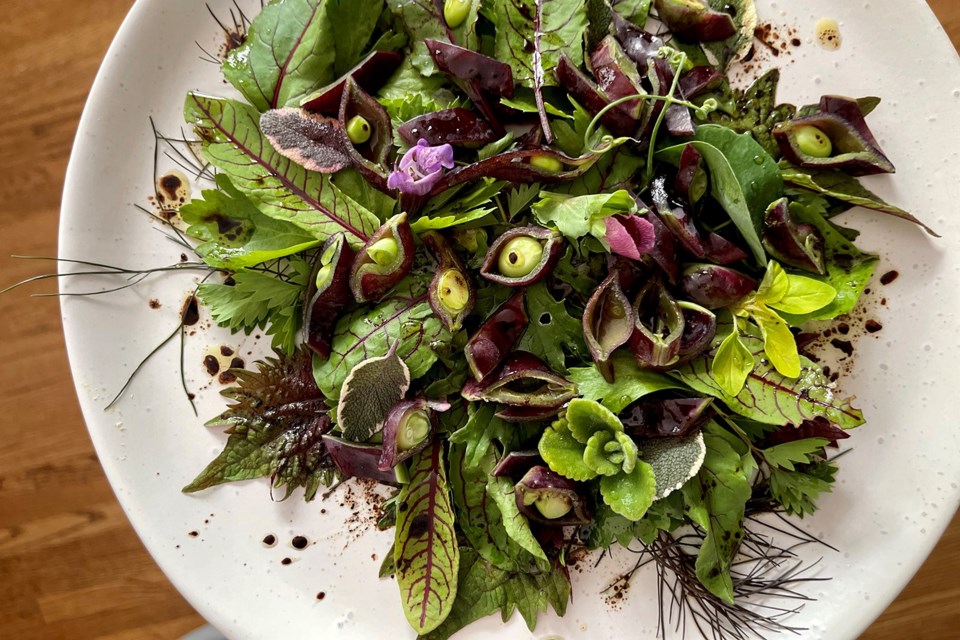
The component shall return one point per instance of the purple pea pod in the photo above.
(714, 286)
(451, 292)
(408, 429)
(517, 463)
(638, 45)
(384, 260)
(477, 75)
(616, 75)
(371, 73)
(666, 418)
(329, 293)
(699, 329)
(664, 252)
(550, 499)
(659, 328)
(523, 381)
(371, 156)
(798, 244)
(692, 180)
(699, 80)
(356, 460)
(520, 415)
(617, 119)
(522, 256)
(852, 147)
(676, 218)
(458, 127)
(489, 346)
(608, 323)
(693, 20)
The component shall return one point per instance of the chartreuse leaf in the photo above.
(286, 54)
(716, 500)
(630, 494)
(405, 317)
(579, 216)
(552, 330)
(804, 295)
(630, 383)
(788, 454)
(354, 22)
(768, 396)
(485, 589)
(500, 490)
(260, 300)
(744, 179)
(532, 34)
(563, 454)
(280, 188)
(276, 421)
(426, 554)
(445, 221)
(673, 460)
(424, 19)
(369, 392)
(731, 364)
(774, 285)
(778, 342)
(233, 232)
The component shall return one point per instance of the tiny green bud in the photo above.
(323, 275)
(454, 293)
(415, 429)
(520, 256)
(455, 12)
(813, 142)
(358, 129)
(383, 251)
(552, 506)
(547, 163)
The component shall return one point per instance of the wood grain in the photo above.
(70, 564)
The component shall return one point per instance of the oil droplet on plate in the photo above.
(828, 34)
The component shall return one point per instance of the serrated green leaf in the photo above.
(501, 491)
(445, 221)
(552, 331)
(798, 491)
(480, 431)
(630, 383)
(788, 454)
(285, 55)
(754, 111)
(280, 188)
(630, 494)
(426, 554)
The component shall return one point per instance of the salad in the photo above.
(539, 268)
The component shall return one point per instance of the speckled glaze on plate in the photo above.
(897, 489)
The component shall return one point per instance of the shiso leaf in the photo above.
(369, 391)
(673, 460)
(790, 454)
(630, 383)
(426, 554)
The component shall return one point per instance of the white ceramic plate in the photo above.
(897, 489)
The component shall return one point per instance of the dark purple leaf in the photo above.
(659, 328)
(699, 80)
(640, 46)
(370, 74)
(528, 414)
(618, 119)
(492, 342)
(818, 427)
(479, 76)
(517, 463)
(714, 286)
(331, 296)
(699, 328)
(356, 460)
(371, 156)
(616, 75)
(695, 21)
(799, 245)
(457, 127)
(666, 418)
(691, 181)
(608, 322)
(629, 235)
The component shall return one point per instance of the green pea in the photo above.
(547, 163)
(358, 129)
(456, 12)
(453, 291)
(552, 506)
(813, 142)
(520, 256)
(415, 429)
(384, 251)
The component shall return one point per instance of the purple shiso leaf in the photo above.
(616, 75)
(855, 151)
(714, 286)
(370, 156)
(608, 322)
(700, 23)
(666, 418)
(517, 463)
(355, 460)
(477, 75)
(324, 306)
(514, 384)
(618, 119)
(699, 329)
(540, 480)
(489, 346)
(640, 46)
(370, 73)
(552, 242)
(797, 244)
(629, 235)
(391, 428)
(369, 280)
(312, 141)
(421, 168)
(457, 127)
(699, 80)
(517, 415)
(449, 265)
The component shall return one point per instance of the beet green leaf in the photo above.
(424, 19)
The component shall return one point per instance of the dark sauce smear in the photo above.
(269, 540)
(299, 542)
(154, 303)
(872, 326)
(889, 277)
(286, 561)
(843, 345)
(190, 312)
(211, 364)
(321, 595)
(168, 185)
(193, 534)
(227, 377)
(226, 351)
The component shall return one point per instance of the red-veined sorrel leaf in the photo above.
(426, 554)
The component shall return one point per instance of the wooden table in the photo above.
(70, 564)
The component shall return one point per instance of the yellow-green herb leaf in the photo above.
(778, 342)
(804, 295)
(732, 363)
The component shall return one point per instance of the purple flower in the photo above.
(420, 168)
